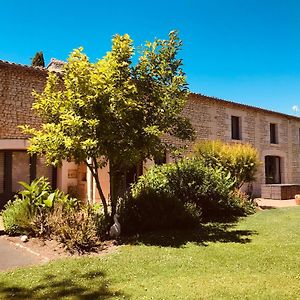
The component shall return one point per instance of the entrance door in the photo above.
(272, 169)
(18, 166)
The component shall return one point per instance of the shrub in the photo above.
(39, 211)
(154, 211)
(17, 217)
(177, 195)
(27, 214)
(241, 160)
(243, 202)
(77, 228)
(38, 192)
(42, 199)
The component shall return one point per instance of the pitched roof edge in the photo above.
(245, 105)
(45, 71)
(30, 68)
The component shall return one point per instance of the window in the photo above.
(236, 128)
(273, 133)
(20, 169)
(42, 169)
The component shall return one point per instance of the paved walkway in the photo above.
(275, 203)
(13, 256)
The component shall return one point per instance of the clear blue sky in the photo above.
(246, 51)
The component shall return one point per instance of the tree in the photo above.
(38, 60)
(112, 110)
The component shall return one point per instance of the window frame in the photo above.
(236, 128)
(274, 134)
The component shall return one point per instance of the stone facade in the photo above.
(211, 118)
(16, 85)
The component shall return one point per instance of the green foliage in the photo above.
(177, 195)
(151, 211)
(17, 217)
(112, 109)
(39, 193)
(39, 211)
(77, 228)
(28, 213)
(40, 197)
(241, 160)
(38, 60)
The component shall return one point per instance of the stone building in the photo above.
(276, 136)
(16, 85)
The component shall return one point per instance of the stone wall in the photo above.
(211, 119)
(16, 85)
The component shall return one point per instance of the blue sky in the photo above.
(246, 51)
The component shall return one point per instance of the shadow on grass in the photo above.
(68, 284)
(209, 232)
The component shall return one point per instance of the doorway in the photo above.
(17, 165)
(272, 169)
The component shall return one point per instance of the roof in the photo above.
(240, 105)
(56, 65)
(29, 68)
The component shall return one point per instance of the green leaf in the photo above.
(48, 202)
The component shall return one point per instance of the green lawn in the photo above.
(256, 259)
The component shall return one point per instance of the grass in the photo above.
(256, 259)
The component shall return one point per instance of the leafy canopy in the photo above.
(112, 108)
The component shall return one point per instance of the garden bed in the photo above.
(50, 249)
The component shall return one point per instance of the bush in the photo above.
(17, 217)
(39, 211)
(153, 211)
(77, 228)
(243, 202)
(241, 160)
(27, 214)
(179, 195)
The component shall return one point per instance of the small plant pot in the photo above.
(297, 199)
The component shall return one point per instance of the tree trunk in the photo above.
(116, 186)
(113, 188)
(94, 170)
